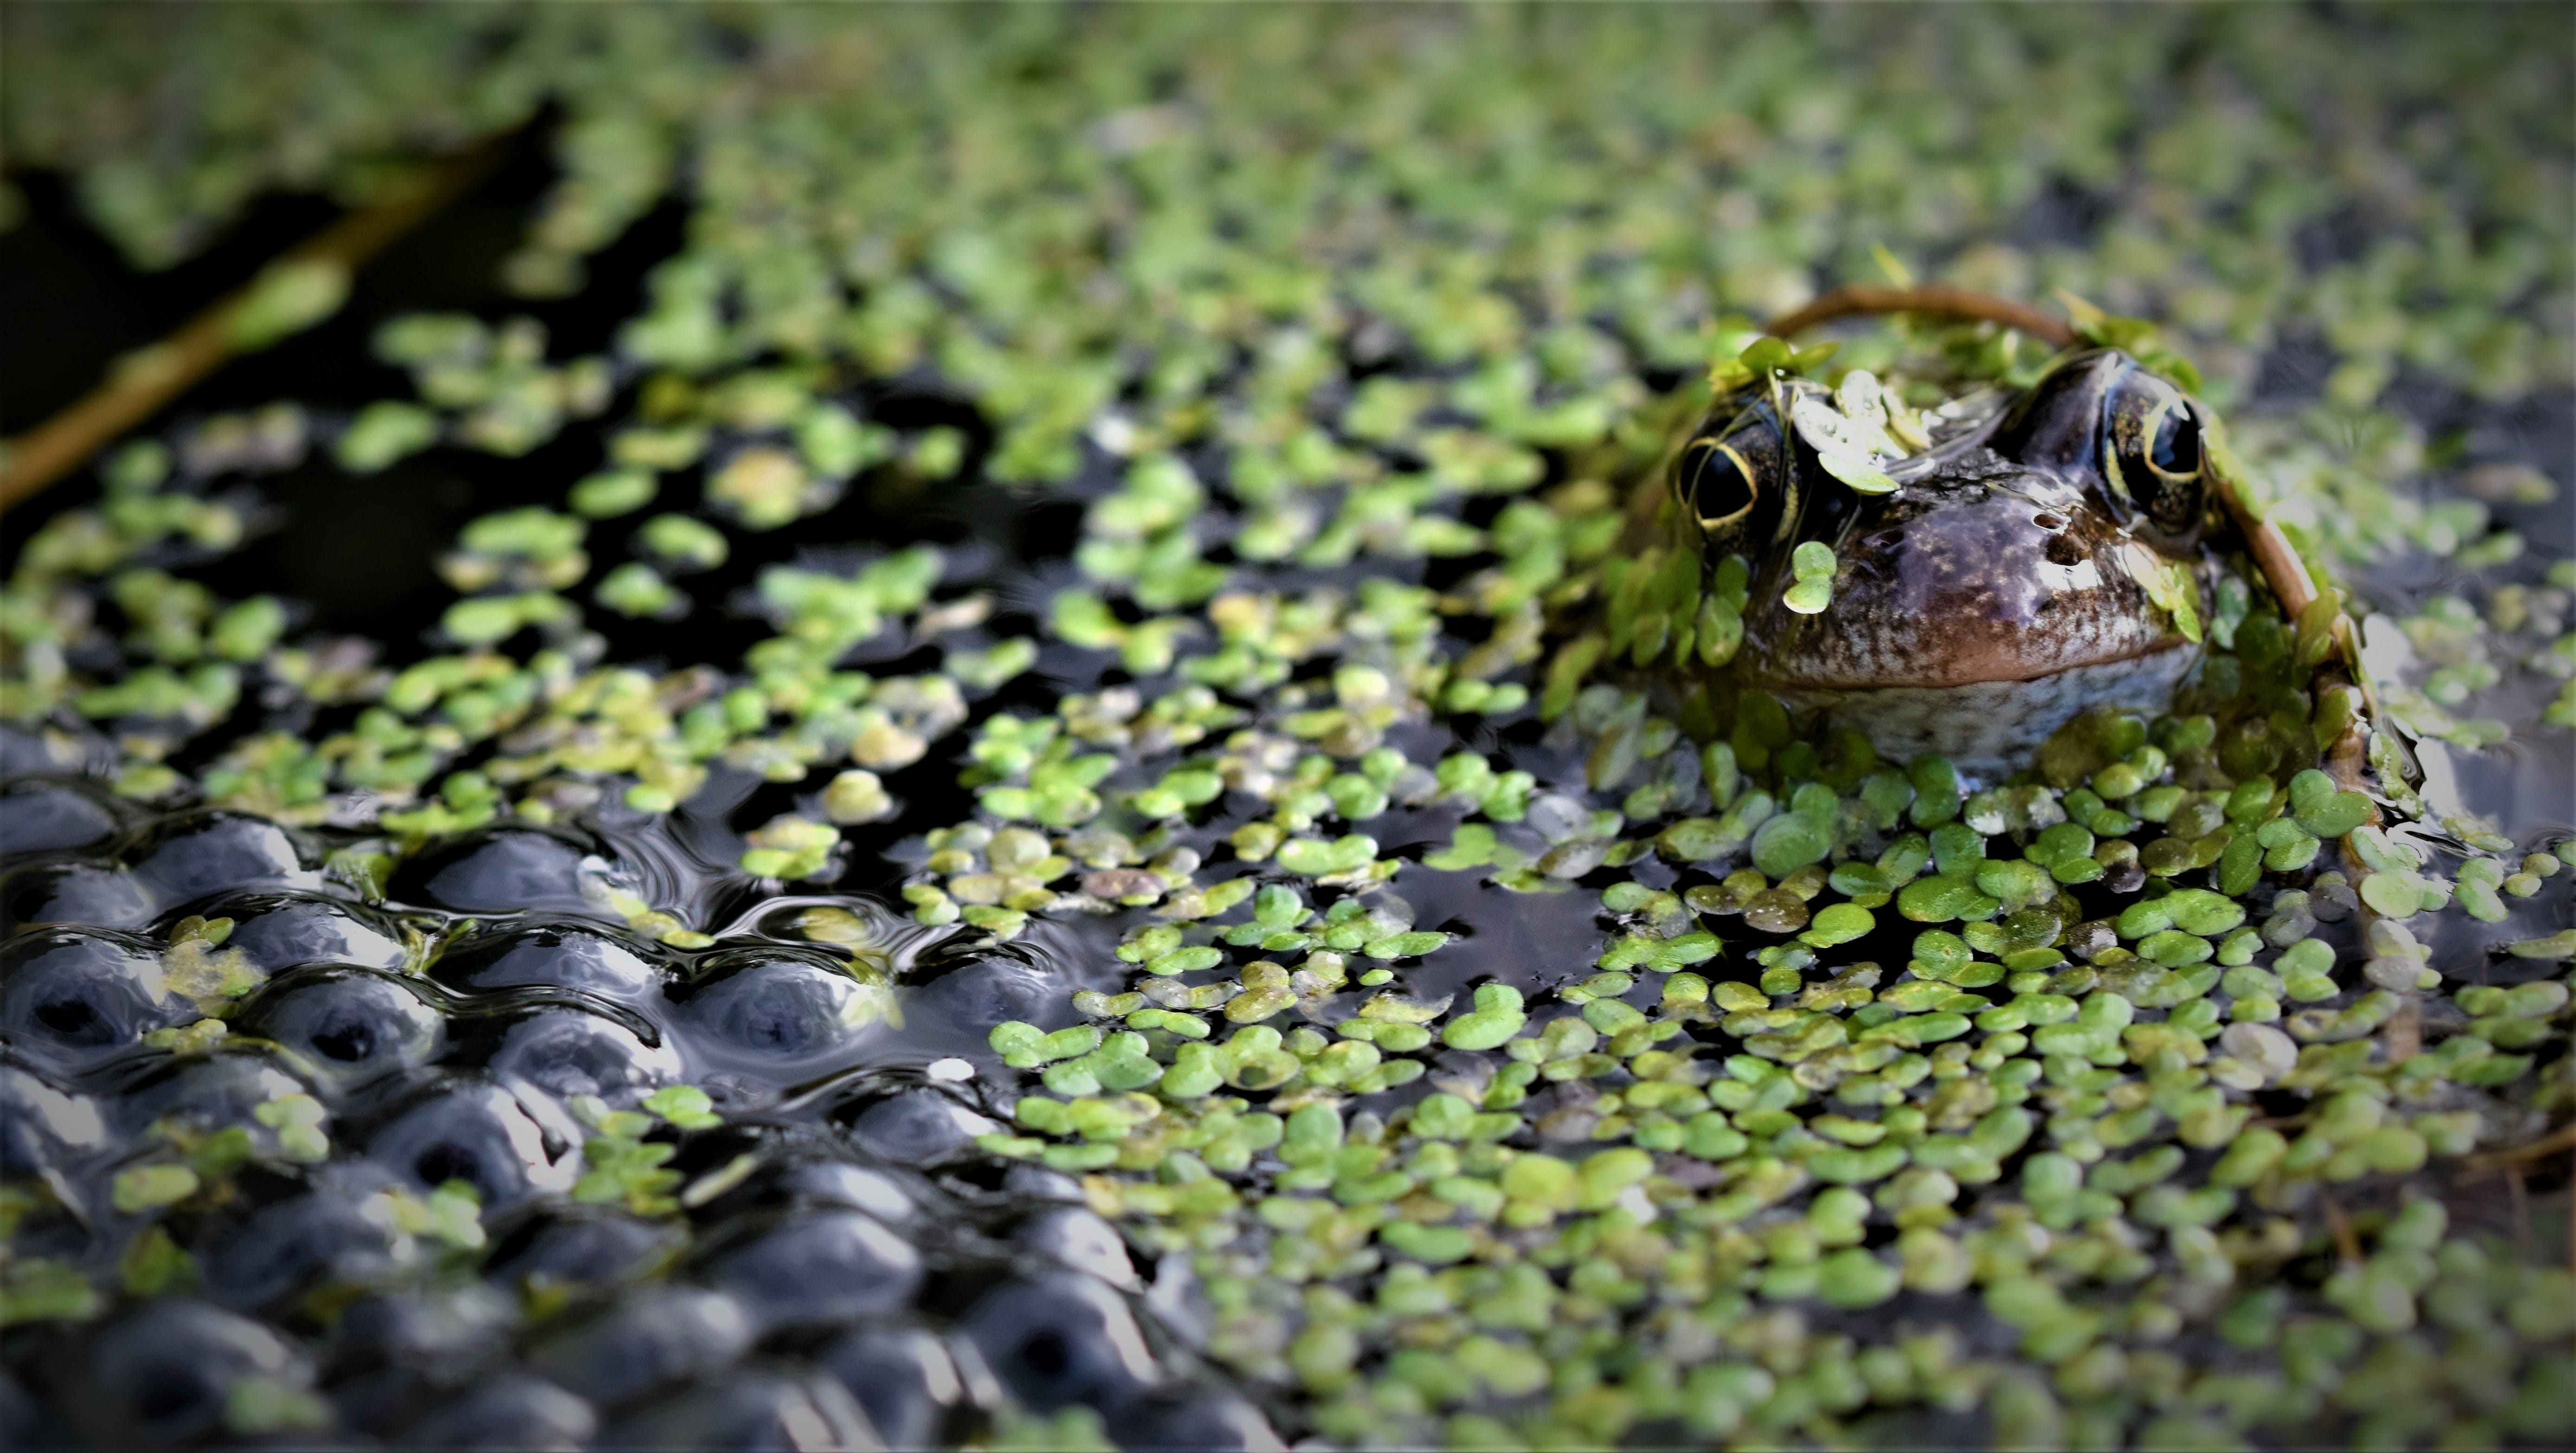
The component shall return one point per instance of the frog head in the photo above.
(1969, 579)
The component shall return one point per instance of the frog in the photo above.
(1997, 566)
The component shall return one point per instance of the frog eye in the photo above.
(2155, 454)
(1717, 485)
(2173, 441)
(1734, 477)
(2160, 463)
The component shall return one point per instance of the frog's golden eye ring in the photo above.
(1717, 485)
(2155, 457)
(2173, 442)
(1731, 477)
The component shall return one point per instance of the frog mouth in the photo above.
(2000, 668)
(1925, 654)
(2007, 577)
(1989, 728)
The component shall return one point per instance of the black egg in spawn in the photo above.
(43, 1128)
(837, 1183)
(199, 1092)
(655, 1337)
(280, 930)
(500, 870)
(328, 1235)
(95, 895)
(49, 749)
(903, 1378)
(760, 1410)
(1058, 1339)
(958, 1009)
(165, 1374)
(448, 1327)
(779, 1014)
(72, 1000)
(1074, 1237)
(477, 1132)
(821, 1268)
(550, 956)
(349, 1025)
(1037, 1183)
(394, 1357)
(566, 1052)
(192, 856)
(579, 1246)
(513, 1413)
(38, 815)
(917, 1128)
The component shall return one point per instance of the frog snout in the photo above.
(1972, 622)
(1975, 585)
(2063, 547)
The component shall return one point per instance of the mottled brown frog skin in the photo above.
(1997, 592)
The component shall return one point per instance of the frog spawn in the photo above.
(392, 1236)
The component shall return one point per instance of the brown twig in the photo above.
(151, 378)
(2347, 1245)
(2520, 1195)
(1862, 300)
(2287, 575)
(2557, 1142)
(2404, 1038)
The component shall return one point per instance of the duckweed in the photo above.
(2176, 1034)
(1812, 567)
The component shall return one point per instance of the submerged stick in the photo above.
(304, 285)
(2557, 1142)
(2347, 1244)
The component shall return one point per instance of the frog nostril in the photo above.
(2049, 522)
(2065, 550)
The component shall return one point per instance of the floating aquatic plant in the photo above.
(2112, 1095)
